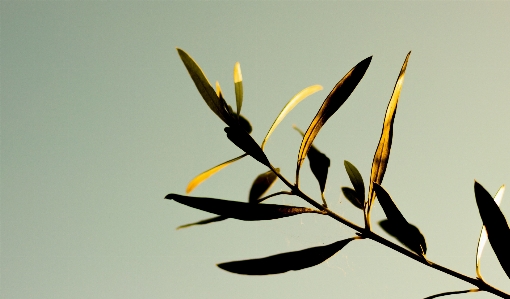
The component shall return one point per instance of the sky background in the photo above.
(100, 120)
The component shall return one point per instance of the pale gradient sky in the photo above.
(100, 120)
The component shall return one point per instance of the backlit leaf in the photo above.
(284, 262)
(261, 184)
(244, 141)
(202, 222)
(240, 210)
(496, 225)
(217, 105)
(333, 101)
(288, 107)
(483, 234)
(382, 153)
(206, 174)
(397, 226)
(352, 196)
(238, 83)
(356, 180)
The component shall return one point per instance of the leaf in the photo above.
(382, 153)
(397, 226)
(351, 195)
(319, 164)
(356, 180)
(289, 106)
(333, 101)
(261, 184)
(284, 262)
(215, 103)
(452, 293)
(244, 141)
(496, 225)
(240, 121)
(202, 222)
(483, 234)
(206, 174)
(238, 83)
(240, 210)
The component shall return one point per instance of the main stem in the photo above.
(368, 234)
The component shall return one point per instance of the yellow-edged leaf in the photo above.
(333, 101)
(382, 153)
(483, 234)
(206, 174)
(289, 106)
(238, 83)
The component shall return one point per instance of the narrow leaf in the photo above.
(238, 83)
(284, 262)
(483, 234)
(397, 225)
(206, 174)
(217, 105)
(240, 210)
(496, 225)
(382, 153)
(452, 293)
(333, 101)
(202, 222)
(351, 195)
(319, 164)
(356, 180)
(261, 184)
(244, 141)
(289, 106)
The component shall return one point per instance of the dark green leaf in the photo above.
(240, 210)
(382, 153)
(356, 180)
(284, 262)
(496, 225)
(245, 124)
(205, 221)
(351, 195)
(333, 101)
(261, 184)
(244, 141)
(397, 225)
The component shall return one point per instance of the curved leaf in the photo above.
(333, 101)
(261, 184)
(244, 141)
(202, 222)
(382, 153)
(288, 107)
(217, 105)
(356, 180)
(240, 210)
(452, 293)
(496, 225)
(206, 174)
(284, 262)
(351, 195)
(397, 226)
(238, 83)
(483, 234)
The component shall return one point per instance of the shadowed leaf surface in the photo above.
(240, 210)
(356, 180)
(288, 107)
(206, 174)
(319, 164)
(238, 83)
(496, 225)
(244, 141)
(333, 101)
(217, 105)
(397, 226)
(261, 184)
(382, 153)
(351, 196)
(452, 293)
(483, 234)
(205, 221)
(284, 262)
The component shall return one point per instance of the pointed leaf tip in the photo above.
(244, 141)
(356, 180)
